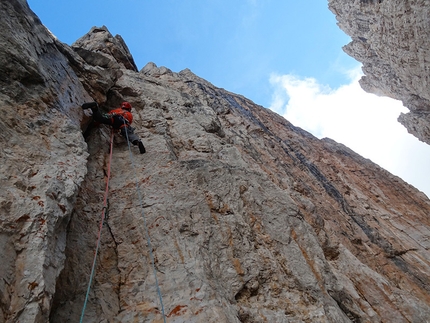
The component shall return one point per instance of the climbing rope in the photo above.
(105, 200)
(100, 230)
(148, 239)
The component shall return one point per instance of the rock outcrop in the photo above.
(392, 40)
(250, 218)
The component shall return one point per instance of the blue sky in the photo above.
(284, 55)
(233, 44)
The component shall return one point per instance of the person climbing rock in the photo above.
(120, 118)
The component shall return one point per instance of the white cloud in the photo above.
(364, 122)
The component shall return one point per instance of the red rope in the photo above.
(100, 229)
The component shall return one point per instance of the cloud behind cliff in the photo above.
(364, 122)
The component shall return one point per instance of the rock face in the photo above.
(250, 218)
(392, 40)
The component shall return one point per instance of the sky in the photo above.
(284, 55)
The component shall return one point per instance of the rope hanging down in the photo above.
(100, 230)
(148, 239)
(101, 226)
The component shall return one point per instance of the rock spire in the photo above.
(392, 40)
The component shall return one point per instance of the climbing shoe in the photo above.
(90, 105)
(141, 148)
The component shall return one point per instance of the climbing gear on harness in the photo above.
(105, 201)
(118, 121)
(120, 117)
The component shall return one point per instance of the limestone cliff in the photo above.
(250, 218)
(392, 40)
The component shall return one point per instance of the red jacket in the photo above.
(123, 113)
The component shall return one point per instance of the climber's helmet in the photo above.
(126, 106)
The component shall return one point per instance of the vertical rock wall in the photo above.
(392, 40)
(250, 218)
(43, 162)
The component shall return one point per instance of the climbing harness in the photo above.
(148, 239)
(104, 214)
(105, 200)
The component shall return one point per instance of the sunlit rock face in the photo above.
(392, 40)
(250, 218)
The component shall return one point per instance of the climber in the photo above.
(120, 118)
